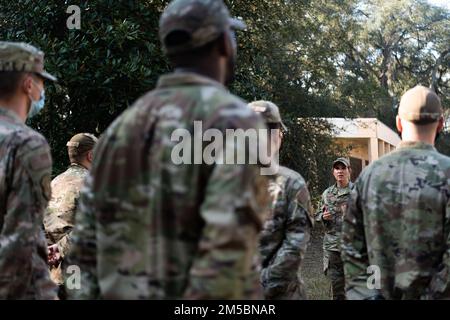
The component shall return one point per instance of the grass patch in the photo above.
(317, 287)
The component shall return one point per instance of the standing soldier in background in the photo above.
(149, 228)
(286, 233)
(332, 208)
(399, 213)
(60, 215)
(25, 173)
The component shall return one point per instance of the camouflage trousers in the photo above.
(335, 272)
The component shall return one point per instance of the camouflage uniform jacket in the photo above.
(25, 171)
(399, 220)
(335, 199)
(152, 229)
(285, 236)
(60, 215)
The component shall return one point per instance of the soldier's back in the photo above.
(59, 217)
(66, 189)
(283, 189)
(285, 236)
(403, 197)
(287, 187)
(147, 205)
(292, 180)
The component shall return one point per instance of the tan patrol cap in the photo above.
(344, 161)
(81, 143)
(420, 103)
(269, 111)
(22, 57)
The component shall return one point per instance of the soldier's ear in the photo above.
(27, 83)
(398, 123)
(440, 124)
(226, 45)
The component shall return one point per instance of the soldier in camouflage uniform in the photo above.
(25, 173)
(332, 207)
(149, 228)
(60, 215)
(286, 232)
(399, 213)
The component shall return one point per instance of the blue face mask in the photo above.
(37, 106)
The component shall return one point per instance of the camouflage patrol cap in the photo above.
(344, 161)
(269, 111)
(420, 103)
(199, 21)
(22, 57)
(81, 143)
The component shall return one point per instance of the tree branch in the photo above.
(434, 80)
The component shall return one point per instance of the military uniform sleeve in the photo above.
(319, 213)
(61, 238)
(439, 287)
(23, 251)
(64, 245)
(82, 256)
(58, 231)
(354, 251)
(282, 271)
(235, 198)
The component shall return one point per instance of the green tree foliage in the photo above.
(389, 47)
(314, 58)
(279, 62)
(102, 68)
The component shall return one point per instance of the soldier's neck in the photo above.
(15, 105)
(414, 133)
(342, 184)
(85, 164)
(417, 137)
(206, 71)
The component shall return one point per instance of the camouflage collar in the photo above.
(186, 78)
(415, 145)
(77, 165)
(11, 115)
(336, 188)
